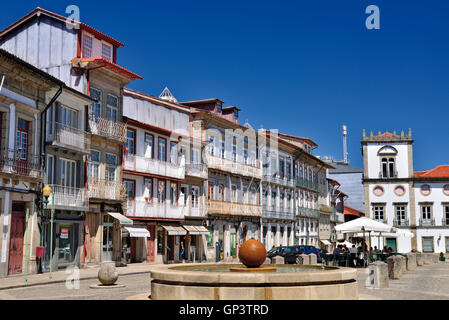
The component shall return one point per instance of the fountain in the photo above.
(253, 280)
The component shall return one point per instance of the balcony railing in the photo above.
(69, 198)
(142, 208)
(232, 208)
(199, 211)
(300, 182)
(196, 170)
(154, 166)
(308, 212)
(388, 175)
(68, 137)
(110, 129)
(400, 222)
(233, 167)
(427, 222)
(17, 163)
(277, 212)
(278, 180)
(105, 189)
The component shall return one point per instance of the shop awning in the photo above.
(196, 230)
(120, 217)
(327, 243)
(138, 231)
(175, 230)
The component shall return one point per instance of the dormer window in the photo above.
(219, 107)
(87, 46)
(106, 51)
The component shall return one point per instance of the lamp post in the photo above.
(47, 192)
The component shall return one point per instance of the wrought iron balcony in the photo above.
(142, 208)
(308, 212)
(234, 167)
(107, 128)
(285, 181)
(232, 208)
(196, 170)
(198, 211)
(427, 222)
(277, 212)
(15, 162)
(300, 182)
(67, 137)
(69, 198)
(400, 222)
(154, 166)
(105, 189)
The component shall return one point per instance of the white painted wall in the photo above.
(374, 161)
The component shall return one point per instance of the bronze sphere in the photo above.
(252, 253)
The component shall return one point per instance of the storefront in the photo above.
(172, 242)
(134, 243)
(112, 243)
(195, 243)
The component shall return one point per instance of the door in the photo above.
(108, 227)
(151, 243)
(133, 249)
(391, 242)
(171, 255)
(16, 239)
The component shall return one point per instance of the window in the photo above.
(281, 168)
(282, 199)
(234, 193)
(400, 215)
(50, 160)
(288, 170)
(106, 51)
(210, 191)
(173, 194)
(148, 143)
(219, 107)
(195, 196)
(111, 165)
(378, 213)
(173, 152)
(446, 215)
(130, 142)
(87, 52)
(66, 173)
(211, 145)
(130, 187)
(222, 148)
(427, 244)
(221, 192)
(161, 191)
(148, 185)
(289, 199)
(162, 153)
(160, 241)
(236, 114)
(388, 168)
(195, 156)
(93, 165)
(183, 194)
(447, 244)
(111, 107)
(67, 116)
(95, 108)
(426, 214)
(234, 150)
(273, 198)
(22, 139)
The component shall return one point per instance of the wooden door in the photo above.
(16, 242)
(133, 249)
(151, 243)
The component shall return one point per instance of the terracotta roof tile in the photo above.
(441, 171)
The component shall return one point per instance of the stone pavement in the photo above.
(61, 276)
(428, 282)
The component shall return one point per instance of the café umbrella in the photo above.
(363, 225)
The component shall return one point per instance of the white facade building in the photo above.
(400, 197)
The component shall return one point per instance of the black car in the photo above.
(290, 253)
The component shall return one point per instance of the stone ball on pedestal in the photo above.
(252, 253)
(108, 274)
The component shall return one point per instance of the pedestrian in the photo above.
(181, 254)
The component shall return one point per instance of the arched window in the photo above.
(391, 167)
(388, 168)
(384, 168)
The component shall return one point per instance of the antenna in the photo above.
(345, 146)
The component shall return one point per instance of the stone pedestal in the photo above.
(277, 260)
(267, 261)
(312, 258)
(419, 259)
(427, 258)
(305, 259)
(378, 275)
(396, 266)
(108, 274)
(411, 261)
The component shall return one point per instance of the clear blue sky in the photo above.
(303, 67)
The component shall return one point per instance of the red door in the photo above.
(151, 243)
(16, 242)
(22, 147)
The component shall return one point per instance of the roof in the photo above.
(352, 212)
(343, 168)
(202, 101)
(307, 140)
(38, 11)
(94, 63)
(333, 182)
(156, 100)
(44, 74)
(441, 171)
(231, 108)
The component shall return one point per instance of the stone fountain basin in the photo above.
(179, 282)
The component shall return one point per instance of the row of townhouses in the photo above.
(133, 177)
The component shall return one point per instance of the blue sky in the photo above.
(303, 67)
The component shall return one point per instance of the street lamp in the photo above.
(47, 192)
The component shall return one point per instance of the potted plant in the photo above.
(442, 258)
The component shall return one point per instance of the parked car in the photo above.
(290, 253)
(311, 249)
